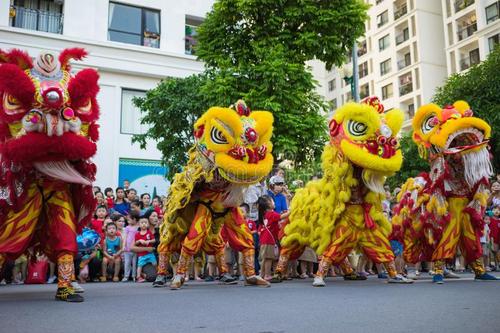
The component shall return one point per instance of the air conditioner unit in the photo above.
(59, 2)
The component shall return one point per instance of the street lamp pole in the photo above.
(355, 73)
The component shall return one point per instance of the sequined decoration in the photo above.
(65, 270)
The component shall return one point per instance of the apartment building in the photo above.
(472, 29)
(133, 44)
(401, 58)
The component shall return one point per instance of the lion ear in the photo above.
(461, 106)
(394, 119)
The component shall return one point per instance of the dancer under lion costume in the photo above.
(232, 150)
(444, 209)
(343, 210)
(47, 136)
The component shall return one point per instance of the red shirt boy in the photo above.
(268, 233)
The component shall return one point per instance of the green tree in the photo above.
(257, 50)
(480, 87)
(170, 110)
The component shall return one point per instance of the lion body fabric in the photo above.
(232, 151)
(443, 209)
(342, 211)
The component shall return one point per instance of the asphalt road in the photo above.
(342, 306)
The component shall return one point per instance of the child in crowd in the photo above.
(130, 257)
(110, 198)
(268, 234)
(157, 206)
(135, 207)
(111, 252)
(97, 224)
(485, 242)
(120, 205)
(20, 269)
(144, 240)
(495, 235)
(99, 197)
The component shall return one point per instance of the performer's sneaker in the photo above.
(160, 281)
(318, 282)
(399, 279)
(227, 279)
(256, 280)
(450, 275)
(77, 288)
(382, 275)
(177, 282)
(277, 278)
(67, 294)
(486, 277)
(438, 278)
(354, 277)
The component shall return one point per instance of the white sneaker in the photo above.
(399, 279)
(318, 282)
(52, 279)
(3, 282)
(125, 279)
(77, 288)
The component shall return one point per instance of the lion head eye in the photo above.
(12, 105)
(217, 136)
(86, 108)
(429, 123)
(356, 128)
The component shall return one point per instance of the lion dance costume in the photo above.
(47, 135)
(444, 209)
(343, 210)
(232, 150)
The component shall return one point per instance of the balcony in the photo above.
(36, 19)
(462, 4)
(400, 12)
(468, 62)
(362, 49)
(403, 63)
(405, 88)
(467, 31)
(402, 37)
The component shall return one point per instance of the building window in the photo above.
(363, 69)
(362, 48)
(467, 30)
(191, 28)
(405, 84)
(384, 42)
(332, 84)
(131, 114)
(134, 25)
(382, 19)
(400, 11)
(364, 91)
(385, 67)
(39, 15)
(387, 91)
(411, 110)
(492, 12)
(333, 105)
(403, 36)
(462, 4)
(493, 41)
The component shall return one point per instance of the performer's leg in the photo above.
(60, 239)
(214, 244)
(376, 246)
(161, 269)
(192, 244)
(240, 239)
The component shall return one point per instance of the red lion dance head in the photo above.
(47, 123)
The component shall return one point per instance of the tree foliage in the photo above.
(480, 87)
(257, 49)
(170, 110)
